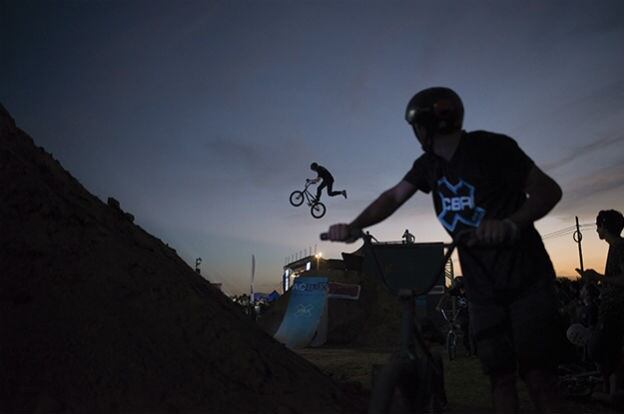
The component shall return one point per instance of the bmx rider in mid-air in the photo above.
(328, 181)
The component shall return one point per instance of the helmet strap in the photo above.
(426, 141)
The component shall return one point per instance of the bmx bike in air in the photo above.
(317, 209)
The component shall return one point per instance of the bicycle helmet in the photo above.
(313, 166)
(438, 110)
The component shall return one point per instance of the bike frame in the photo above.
(310, 198)
(395, 373)
(410, 332)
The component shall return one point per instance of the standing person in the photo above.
(408, 238)
(484, 182)
(328, 181)
(605, 346)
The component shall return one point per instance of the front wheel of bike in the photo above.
(296, 198)
(318, 210)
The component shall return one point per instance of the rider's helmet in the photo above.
(313, 166)
(438, 110)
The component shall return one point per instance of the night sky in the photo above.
(202, 117)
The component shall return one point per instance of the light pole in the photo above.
(318, 258)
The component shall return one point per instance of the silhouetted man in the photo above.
(408, 238)
(483, 182)
(605, 345)
(328, 181)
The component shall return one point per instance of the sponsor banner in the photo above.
(306, 306)
(344, 291)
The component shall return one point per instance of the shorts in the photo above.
(605, 345)
(519, 333)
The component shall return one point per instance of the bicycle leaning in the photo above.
(454, 320)
(451, 335)
(317, 209)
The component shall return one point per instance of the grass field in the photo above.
(467, 388)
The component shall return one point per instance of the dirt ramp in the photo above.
(98, 316)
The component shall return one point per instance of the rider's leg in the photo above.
(491, 328)
(319, 189)
(542, 386)
(504, 393)
(330, 190)
(536, 342)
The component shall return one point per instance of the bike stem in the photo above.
(406, 298)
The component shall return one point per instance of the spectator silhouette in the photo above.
(408, 237)
(605, 345)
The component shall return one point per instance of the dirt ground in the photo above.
(467, 388)
(99, 316)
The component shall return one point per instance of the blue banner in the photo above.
(308, 299)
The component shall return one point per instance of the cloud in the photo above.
(593, 192)
(608, 22)
(583, 150)
(261, 164)
(596, 113)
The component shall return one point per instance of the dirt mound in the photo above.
(97, 315)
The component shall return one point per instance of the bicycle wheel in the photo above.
(451, 345)
(296, 198)
(318, 210)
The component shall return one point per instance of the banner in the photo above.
(306, 305)
(343, 291)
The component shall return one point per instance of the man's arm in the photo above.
(543, 194)
(380, 209)
(591, 276)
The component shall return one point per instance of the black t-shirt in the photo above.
(485, 180)
(324, 174)
(612, 297)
